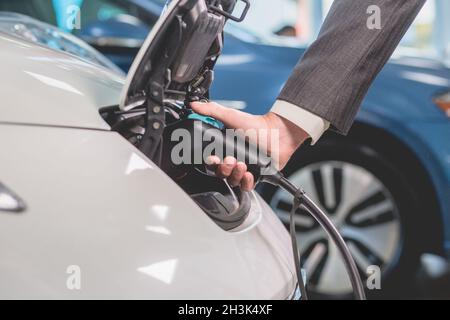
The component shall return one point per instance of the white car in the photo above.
(84, 214)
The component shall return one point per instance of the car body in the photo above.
(86, 215)
(399, 131)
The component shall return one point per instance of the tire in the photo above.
(371, 203)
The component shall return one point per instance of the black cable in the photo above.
(301, 198)
(334, 234)
(298, 268)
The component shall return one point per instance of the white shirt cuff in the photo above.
(312, 124)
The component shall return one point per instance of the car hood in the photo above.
(47, 87)
(96, 203)
(41, 86)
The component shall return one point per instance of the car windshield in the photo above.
(38, 32)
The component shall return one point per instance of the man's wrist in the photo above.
(291, 135)
(314, 125)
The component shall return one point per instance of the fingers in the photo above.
(238, 174)
(235, 172)
(248, 182)
(210, 109)
(213, 161)
(229, 117)
(225, 169)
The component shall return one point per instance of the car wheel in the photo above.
(371, 205)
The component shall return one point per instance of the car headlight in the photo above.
(39, 32)
(443, 102)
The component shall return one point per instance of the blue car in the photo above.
(386, 185)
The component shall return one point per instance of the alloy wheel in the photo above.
(363, 210)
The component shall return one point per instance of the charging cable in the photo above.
(301, 199)
(293, 233)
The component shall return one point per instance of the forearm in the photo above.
(336, 72)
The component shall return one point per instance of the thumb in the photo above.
(231, 118)
(210, 109)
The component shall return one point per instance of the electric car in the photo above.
(84, 214)
(387, 184)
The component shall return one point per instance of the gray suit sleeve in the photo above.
(337, 70)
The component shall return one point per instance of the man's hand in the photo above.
(291, 137)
